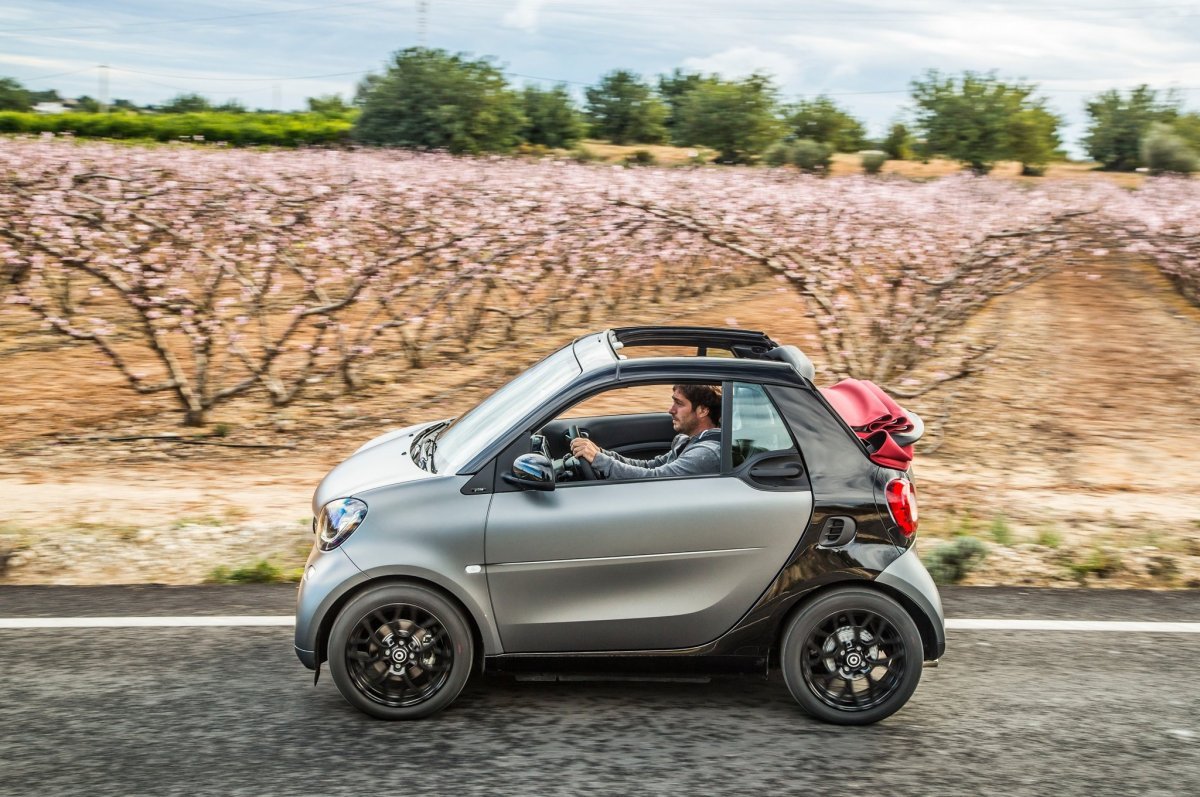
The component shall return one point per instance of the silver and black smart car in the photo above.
(480, 542)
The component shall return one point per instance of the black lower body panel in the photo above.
(625, 664)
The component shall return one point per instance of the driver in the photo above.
(696, 415)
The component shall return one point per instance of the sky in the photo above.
(276, 53)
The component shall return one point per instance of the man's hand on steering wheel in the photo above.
(583, 450)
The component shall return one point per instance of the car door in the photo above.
(647, 564)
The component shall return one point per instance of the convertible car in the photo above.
(479, 542)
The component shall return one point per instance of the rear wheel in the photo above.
(852, 657)
(400, 652)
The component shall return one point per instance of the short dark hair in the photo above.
(704, 396)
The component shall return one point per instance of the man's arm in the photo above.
(660, 460)
(698, 459)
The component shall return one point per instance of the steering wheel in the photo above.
(585, 468)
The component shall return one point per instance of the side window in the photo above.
(631, 421)
(623, 401)
(755, 425)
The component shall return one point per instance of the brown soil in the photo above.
(845, 163)
(1083, 428)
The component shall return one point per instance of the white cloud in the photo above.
(524, 16)
(740, 62)
(39, 63)
(1046, 50)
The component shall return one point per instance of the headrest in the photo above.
(795, 358)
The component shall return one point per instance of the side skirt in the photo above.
(624, 664)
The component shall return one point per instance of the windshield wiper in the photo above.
(426, 443)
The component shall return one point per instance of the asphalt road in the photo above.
(230, 711)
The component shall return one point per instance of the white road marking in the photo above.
(287, 620)
(192, 621)
(1119, 626)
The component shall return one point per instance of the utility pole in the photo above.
(103, 88)
(422, 20)
(277, 94)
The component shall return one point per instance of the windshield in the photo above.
(471, 432)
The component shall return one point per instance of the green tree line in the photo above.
(238, 129)
(433, 99)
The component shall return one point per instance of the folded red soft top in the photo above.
(876, 418)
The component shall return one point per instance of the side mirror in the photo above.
(531, 472)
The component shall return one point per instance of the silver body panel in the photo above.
(644, 565)
(379, 462)
(428, 530)
(327, 576)
(418, 525)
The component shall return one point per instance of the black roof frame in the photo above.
(742, 342)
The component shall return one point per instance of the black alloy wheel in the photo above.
(400, 652)
(852, 657)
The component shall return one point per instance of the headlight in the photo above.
(338, 520)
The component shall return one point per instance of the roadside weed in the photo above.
(261, 572)
(1048, 536)
(950, 562)
(1099, 562)
(1001, 532)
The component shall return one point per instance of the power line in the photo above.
(190, 21)
(692, 13)
(61, 74)
(549, 79)
(241, 79)
(1039, 89)
(858, 93)
(689, 10)
(1098, 91)
(360, 72)
(234, 94)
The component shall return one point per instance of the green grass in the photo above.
(1001, 532)
(66, 529)
(226, 515)
(1099, 562)
(7, 527)
(964, 525)
(949, 525)
(196, 520)
(951, 562)
(261, 572)
(1048, 536)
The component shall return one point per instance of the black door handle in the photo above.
(789, 470)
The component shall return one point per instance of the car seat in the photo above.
(755, 426)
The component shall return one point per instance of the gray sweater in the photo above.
(688, 456)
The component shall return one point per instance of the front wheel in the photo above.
(400, 652)
(852, 657)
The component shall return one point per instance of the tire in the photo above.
(400, 652)
(852, 657)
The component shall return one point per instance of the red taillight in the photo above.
(902, 503)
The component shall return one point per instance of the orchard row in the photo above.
(209, 274)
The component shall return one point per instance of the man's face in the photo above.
(684, 417)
